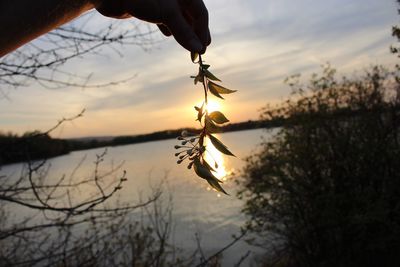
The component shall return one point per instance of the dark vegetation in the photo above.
(395, 49)
(325, 190)
(15, 148)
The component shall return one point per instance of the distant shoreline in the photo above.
(16, 149)
(95, 142)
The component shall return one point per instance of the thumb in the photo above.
(183, 32)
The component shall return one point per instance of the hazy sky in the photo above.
(256, 44)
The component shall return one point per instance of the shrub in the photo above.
(325, 190)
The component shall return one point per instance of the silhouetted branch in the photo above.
(42, 60)
(204, 262)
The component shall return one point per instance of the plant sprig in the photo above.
(193, 146)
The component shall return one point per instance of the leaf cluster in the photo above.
(194, 146)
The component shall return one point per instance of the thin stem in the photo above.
(204, 83)
(204, 131)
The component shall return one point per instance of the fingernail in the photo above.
(195, 45)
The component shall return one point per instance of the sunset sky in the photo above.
(255, 45)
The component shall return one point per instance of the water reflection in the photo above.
(212, 155)
(216, 159)
(215, 216)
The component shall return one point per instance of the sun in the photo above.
(212, 105)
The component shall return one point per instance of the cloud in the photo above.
(256, 44)
(150, 94)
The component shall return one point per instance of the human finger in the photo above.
(199, 14)
(183, 32)
(164, 29)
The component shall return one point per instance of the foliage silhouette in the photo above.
(194, 145)
(324, 191)
(395, 49)
(44, 62)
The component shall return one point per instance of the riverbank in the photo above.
(36, 146)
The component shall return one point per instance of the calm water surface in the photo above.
(196, 208)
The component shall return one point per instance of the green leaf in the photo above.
(216, 186)
(219, 145)
(194, 56)
(205, 66)
(218, 117)
(210, 76)
(219, 89)
(199, 115)
(208, 166)
(205, 173)
(200, 112)
(199, 77)
(213, 91)
(210, 126)
(202, 171)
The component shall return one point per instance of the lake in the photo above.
(196, 208)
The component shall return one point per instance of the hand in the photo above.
(186, 20)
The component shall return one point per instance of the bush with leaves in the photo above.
(325, 190)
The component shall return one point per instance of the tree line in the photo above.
(37, 145)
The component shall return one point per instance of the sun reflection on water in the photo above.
(212, 156)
